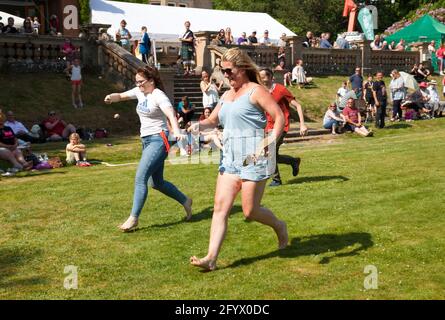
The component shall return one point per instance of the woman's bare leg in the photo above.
(7, 155)
(227, 187)
(252, 193)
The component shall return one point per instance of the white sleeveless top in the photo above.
(75, 74)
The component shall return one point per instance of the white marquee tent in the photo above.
(166, 23)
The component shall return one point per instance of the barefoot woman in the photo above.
(153, 108)
(241, 111)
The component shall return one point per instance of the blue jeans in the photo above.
(151, 173)
(328, 124)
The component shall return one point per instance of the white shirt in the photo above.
(265, 41)
(16, 126)
(211, 96)
(151, 110)
(75, 74)
(342, 92)
(434, 96)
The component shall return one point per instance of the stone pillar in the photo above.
(296, 45)
(423, 51)
(366, 63)
(203, 59)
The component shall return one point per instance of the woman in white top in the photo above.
(210, 96)
(333, 118)
(153, 108)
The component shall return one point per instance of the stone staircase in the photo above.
(188, 86)
(314, 133)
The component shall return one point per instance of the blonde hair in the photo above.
(241, 60)
(74, 135)
(2, 116)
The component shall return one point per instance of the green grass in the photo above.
(357, 202)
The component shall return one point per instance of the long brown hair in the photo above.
(241, 60)
(149, 73)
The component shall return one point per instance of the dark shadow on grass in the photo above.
(317, 179)
(37, 173)
(399, 126)
(328, 244)
(203, 215)
(12, 261)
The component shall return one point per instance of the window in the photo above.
(182, 5)
(171, 4)
(154, 3)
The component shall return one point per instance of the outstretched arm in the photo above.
(117, 97)
(297, 107)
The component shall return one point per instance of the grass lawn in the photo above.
(357, 202)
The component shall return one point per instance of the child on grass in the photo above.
(76, 153)
(76, 82)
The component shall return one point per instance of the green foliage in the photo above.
(85, 12)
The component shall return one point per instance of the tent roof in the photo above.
(426, 26)
(167, 23)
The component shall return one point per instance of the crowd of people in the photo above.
(413, 97)
(16, 141)
(31, 26)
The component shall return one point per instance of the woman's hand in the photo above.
(180, 136)
(107, 99)
(194, 128)
(114, 97)
(303, 130)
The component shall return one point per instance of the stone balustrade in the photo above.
(330, 61)
(34, 53)
(387, 61)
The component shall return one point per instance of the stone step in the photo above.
(306, 138)
(186, 84)
(186, 92)
(295, 132)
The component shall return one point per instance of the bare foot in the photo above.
(130, 224)
(188, 209)
(204, 263)
(283, 238)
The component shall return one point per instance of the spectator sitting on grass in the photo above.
(20, 131)
(57, 128)
(186, 110)
(342, 91)
(299, 75)
(287, 76)
(333, 119)
(76, 153)
(354, 120)
(9, 150)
